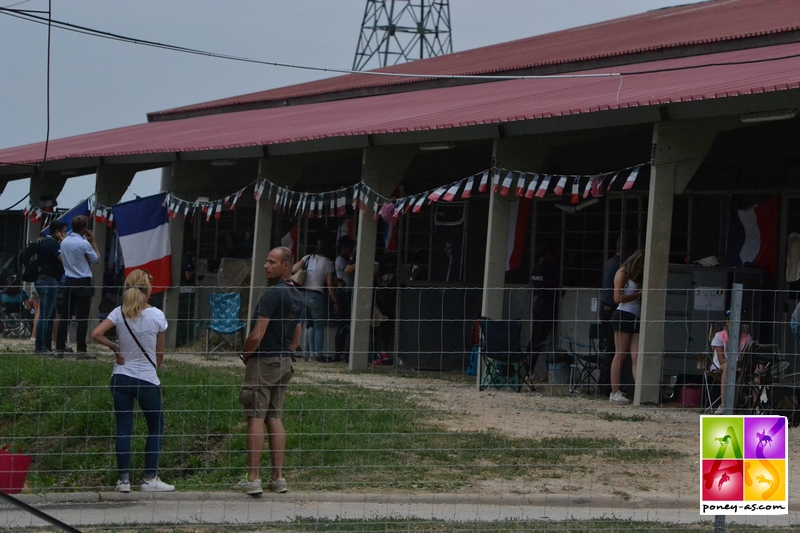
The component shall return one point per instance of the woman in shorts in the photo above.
(625, 320)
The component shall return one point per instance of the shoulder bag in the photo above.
(299, 277)
(139, 344)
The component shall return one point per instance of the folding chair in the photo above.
(760, 366)
(503, 362)
(225, 321)
(585, 362)
(712, 377)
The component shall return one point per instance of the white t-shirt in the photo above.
(146, 327)
(721, 340)
(317, 269)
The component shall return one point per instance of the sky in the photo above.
(97, 84)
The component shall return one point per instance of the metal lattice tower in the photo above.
(396, 31)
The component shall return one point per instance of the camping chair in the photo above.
(760, 366)
(711, 377)
(503, 362)
(585, 362)
(225, 321)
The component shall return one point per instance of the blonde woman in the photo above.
(625, 320)
(140, 330)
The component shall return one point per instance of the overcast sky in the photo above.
(97, 84)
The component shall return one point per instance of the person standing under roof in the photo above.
(78, 252)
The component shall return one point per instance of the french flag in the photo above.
(290, 240)
(518, 213)
(562, 182)
(753, 236)
(143, 228)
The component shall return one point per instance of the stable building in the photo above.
(699, 103)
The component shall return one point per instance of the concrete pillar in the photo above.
(47, 184)
(110, 184)
(383, 170)
(184, 179)
(283, 171)
(679, 148)
(510, 153)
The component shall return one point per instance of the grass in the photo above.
(617, 417)
(339, 436)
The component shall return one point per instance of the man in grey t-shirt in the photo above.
(267, 354)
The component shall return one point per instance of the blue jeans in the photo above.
(124, 389)
(47, 287)
(795, 327)
(315, 311)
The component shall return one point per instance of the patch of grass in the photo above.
(617, 417)
(339, 436)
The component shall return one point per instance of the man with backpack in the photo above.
(47, 282)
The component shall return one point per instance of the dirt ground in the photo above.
(548, 412)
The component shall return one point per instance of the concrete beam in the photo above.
(110, 184)
(185, 179)
(283, 171)
(515, 153)
(383, 170)
(679, 148)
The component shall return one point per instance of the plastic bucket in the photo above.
(688, 395)
(13, 471)
(558, 373)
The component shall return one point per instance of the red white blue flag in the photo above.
(143, 228)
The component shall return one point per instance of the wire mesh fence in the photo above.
(452, 422)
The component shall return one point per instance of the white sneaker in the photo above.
(279, 485)
(618, 398)
(123, 486)
(156, 485)
(253, 488)
(719, 410)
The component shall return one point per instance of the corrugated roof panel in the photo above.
(696, 78)
(714, 21)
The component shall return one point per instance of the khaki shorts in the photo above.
(264, 388)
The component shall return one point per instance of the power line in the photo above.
(144, 42)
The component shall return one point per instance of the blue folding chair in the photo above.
(225, 321)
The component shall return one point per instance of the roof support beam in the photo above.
(679, 148)
(110, 184)
(383, 169)
(283, 171)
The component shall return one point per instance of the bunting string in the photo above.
(504, 182)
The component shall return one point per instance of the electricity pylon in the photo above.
(396, 31)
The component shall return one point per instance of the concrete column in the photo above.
(110, 184)
(515, 154)
(679, 148)
(184, 179)
(283, 171)
(383, 170)
(47, 184)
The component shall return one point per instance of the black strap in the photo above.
(139, 344)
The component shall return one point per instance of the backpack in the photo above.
(29, 262)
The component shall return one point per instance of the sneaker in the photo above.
(252, 488)
(719, 410)
(279, 485)
(156, 485)
(123, 486)
(618, 398)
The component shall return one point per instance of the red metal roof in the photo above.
(753, 71)
(694, 24)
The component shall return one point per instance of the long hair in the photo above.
(634, 266)
(137, 292)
